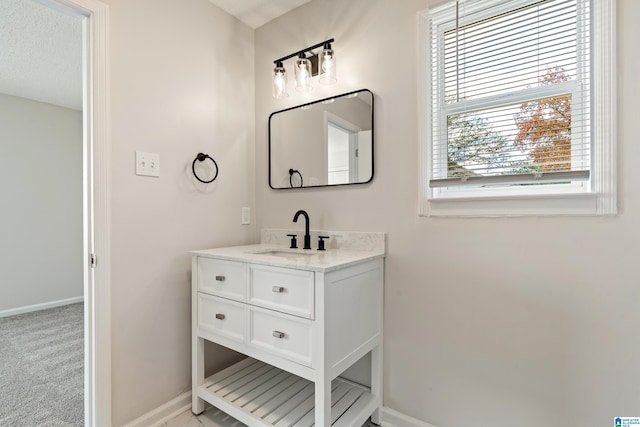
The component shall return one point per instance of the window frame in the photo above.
(597, 196)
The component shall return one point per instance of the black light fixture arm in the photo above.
(315, 46)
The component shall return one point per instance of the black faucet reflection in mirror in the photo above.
(307, 236)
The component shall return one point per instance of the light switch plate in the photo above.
(246, 216)
(147, 164)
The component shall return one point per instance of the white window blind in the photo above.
(511, 96)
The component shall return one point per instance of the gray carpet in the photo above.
(41, 368)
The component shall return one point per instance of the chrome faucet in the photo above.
(307, 236)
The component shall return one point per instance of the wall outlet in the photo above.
(147, 164)
(245, 218)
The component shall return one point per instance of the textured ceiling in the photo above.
(40, 53)
(41, 48)
(255, 13)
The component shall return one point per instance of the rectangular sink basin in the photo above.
(284, 254)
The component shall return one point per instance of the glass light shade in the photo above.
(279, 88)
(328, 66)
(303, 74)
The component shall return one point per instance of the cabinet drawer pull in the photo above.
(278, 289)
(220, 278)
(220, 316)
(278, 334)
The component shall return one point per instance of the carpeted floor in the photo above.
(41, 368)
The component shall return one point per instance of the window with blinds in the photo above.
(510, 84)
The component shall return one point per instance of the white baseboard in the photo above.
(182, 403)
(38, 307)
(164, 413)
(393, 418)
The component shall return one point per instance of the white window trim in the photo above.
(601, 200)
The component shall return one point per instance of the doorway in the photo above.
(342, 151)
(93, 16)
(41, 180)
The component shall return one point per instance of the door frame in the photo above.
(352, 129)
(96, 205)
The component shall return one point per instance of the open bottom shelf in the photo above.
(259, 394)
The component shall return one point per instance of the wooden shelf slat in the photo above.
(261, 395)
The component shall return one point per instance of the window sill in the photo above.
(510, 206)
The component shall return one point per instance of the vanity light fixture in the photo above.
(305, 68)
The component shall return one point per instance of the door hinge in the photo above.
(93, 260)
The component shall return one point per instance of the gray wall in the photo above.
(493, 322)
(181, 82)
(41, 257)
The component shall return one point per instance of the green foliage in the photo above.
(474, 148)
(471, 144)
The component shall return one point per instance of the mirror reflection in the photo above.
(327, 142)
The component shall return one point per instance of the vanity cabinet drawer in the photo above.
(281, 334)
(281, 289)
(223, 278)
(221, 317)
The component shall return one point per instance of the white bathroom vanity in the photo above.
(302, 317)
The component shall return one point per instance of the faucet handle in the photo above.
(294, 242)
(321, 242)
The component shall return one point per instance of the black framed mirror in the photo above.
(323, 143)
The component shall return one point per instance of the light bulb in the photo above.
(279, 88)
(303, 74)
(328, 66)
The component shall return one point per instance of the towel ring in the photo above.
(291, 172)
(202, 157)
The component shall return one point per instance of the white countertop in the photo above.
(299, 259)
